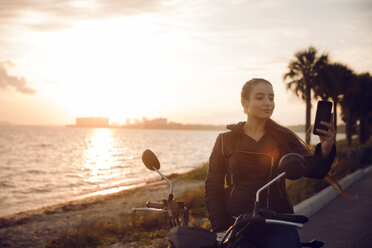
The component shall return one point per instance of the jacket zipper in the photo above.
(272, 164)
(271, 170)
(233, 186)
(280, 190)
(268, 189)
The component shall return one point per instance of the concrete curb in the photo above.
(311, 205)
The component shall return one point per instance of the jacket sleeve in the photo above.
(214, 187)
(318, 166)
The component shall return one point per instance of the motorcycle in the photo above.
(180, 235)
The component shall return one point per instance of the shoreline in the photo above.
(79, 200)
(96, 195)
(82, 197)
(33, 228)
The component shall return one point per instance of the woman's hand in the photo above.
(328, 138)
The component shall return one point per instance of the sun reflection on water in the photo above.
(99, 157)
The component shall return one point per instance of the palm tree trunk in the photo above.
(368, 129)
(363, 129)
(361, 134)
(335, 101)
(349, 130)
(308, 114)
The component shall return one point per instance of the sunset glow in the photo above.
(174, 59)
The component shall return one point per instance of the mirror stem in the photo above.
(166, 179)
(267, 185)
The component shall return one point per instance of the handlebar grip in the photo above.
(292, 218)
(155, 205)
(267, 213)
(313, 243)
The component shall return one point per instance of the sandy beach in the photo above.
(37, 227)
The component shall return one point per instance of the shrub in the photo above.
(199, 173)
(194, 199)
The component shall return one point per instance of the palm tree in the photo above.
(303, 70)
(332, 80)
(348, 114)
(357, 105)
(364, 105)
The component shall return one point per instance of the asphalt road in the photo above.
(344, 223)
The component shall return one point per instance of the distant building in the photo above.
(159, 121)
(92, 122)
(154, 123)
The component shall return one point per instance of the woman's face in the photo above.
(260, 103)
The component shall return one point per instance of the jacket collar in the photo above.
(238, 127)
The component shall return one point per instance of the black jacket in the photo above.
(239, 166)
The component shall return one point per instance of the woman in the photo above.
(246, 158)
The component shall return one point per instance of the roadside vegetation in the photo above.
(349, 158)
(147, 227)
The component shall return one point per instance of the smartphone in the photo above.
(323, 113)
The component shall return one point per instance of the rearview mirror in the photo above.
(294, 165)
(150, 160)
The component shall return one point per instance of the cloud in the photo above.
(45, 16)
(8, 81)
(69, 11)
(50, 26)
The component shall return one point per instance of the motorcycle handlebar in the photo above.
(269, 214)
(149, 209)
(282, 222)
(157, 205)
(261, 219)
(291, 218)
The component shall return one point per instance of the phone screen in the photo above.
(323, 113)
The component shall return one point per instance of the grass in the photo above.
(145, 227)
(139, 227)
(197, 174)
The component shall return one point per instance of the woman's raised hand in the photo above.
(328, 138)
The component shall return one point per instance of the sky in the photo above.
(182, 60)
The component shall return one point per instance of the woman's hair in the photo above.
(285, 137)
(249, 85)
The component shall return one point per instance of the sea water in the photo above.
(40, 166)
